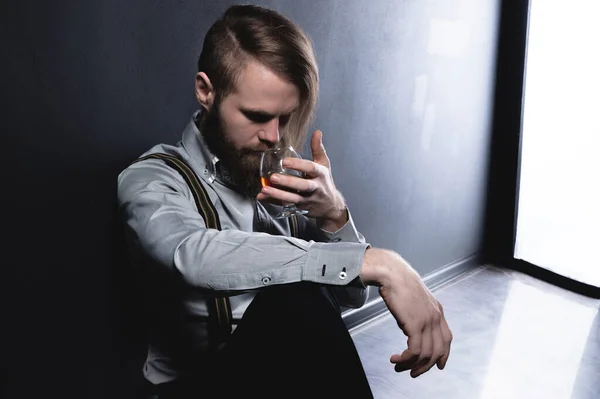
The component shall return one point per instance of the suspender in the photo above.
(294, 226)
(219, 315)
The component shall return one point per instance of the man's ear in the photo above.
(205, 92)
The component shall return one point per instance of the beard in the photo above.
(242, 164)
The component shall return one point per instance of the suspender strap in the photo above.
(294, 226)
(219, 315)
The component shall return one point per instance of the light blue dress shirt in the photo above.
(168, 238)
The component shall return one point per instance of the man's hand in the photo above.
(316, 193)
(418, 313)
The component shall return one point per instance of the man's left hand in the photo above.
(316, 193)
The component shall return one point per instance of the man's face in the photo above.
(248, 121)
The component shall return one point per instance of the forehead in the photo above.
(259, 88)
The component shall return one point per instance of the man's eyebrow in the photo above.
(262, 113)
(257, 112)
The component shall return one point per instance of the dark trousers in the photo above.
(291, 343)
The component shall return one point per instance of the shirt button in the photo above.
(205, 171)
(343, 275)
(266, 280)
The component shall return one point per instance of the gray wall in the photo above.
(405, 108)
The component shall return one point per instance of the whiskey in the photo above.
(264, 181)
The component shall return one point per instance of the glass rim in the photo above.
(280, 148)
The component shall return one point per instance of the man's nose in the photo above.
(270, 131)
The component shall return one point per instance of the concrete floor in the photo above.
(515, 337)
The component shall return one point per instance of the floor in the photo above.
(515, 337)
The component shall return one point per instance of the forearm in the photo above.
(384, 268)
(169, 230)
(232, 260)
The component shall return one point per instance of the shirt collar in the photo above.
(203, 158)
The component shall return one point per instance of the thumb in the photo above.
(318, 149)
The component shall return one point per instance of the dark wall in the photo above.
(405, 107)
(503, 172)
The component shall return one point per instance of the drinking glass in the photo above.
(271, 162)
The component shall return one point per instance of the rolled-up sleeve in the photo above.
(162, 221)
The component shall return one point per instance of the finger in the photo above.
(310, 168)
(426, 352)
(404, 361)
(447, 337)
(295, 183)
(318, 149)
(281, 195)
(265, 198)
(410, 356)
(437, 342)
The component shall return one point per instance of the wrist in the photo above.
(375, 271)
(336, 219)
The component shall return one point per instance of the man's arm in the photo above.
(417, 312)
(355, 294)
(158, 210)
(327, 208)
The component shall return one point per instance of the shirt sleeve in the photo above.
(355, 294)
(162, 220)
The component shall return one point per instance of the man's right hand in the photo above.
(418, 313)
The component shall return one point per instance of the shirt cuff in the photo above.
(334, 263)
(347, 233)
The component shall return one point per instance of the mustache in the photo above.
(256, 150)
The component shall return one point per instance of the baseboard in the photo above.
(376, 307)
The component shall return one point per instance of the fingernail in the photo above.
(275, 179)
(266, 190)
